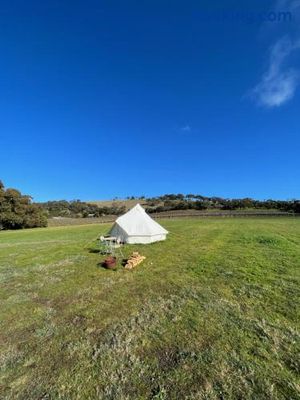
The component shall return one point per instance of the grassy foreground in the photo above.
(212, 313)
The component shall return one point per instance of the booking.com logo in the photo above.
(244, 16)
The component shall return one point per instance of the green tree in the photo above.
(17, 211)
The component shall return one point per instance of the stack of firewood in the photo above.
(134, 260)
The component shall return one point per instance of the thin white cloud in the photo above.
(279, 83)
(289, 5)
(186, 128)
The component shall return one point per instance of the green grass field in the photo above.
(212, 313)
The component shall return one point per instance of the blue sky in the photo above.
(110, 98)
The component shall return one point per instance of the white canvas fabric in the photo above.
(136, 226)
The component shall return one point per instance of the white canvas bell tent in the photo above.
(136, 226)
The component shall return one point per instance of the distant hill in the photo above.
(128, 203)
(168, 203)
(192, 202)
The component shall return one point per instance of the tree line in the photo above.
(79, 209)
(18, 211)
(169, 202)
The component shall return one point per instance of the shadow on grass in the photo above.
(94, 251)
(101, 265)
